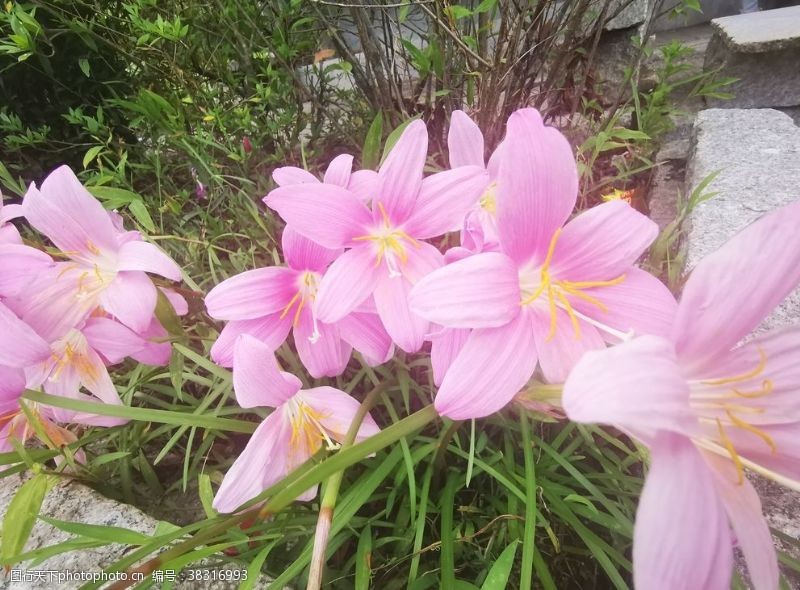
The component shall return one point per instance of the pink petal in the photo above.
(365, 332)
(406, 328)
(444, 199)
(9, 234)
(12, 384)
(301, 253)
(732, 290)
(493, 365)
(21, 265)
(176, 300)
(137, 255)
(364, 185)
(85, 418)
(69, 215)
(445, 347)
(464, 141)
(111, 339)
(328, 354)
(264, 461)
(481, 291)
(641, 304)
(324, 213)
(272, 330)
(557, 355)
(289, 175)
(20, 346)
(9, 212)
(636, 385)
(743, 507)
(602, 243)
(338, 171)
(422, 261)
(253, 294)
(537, 186)
(347, 283)
(131, 298)
(681, 538)
(400, 175)
(257, 380)
(337, 410)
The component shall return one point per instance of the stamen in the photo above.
(551, 249)
(297, 313)
(757, 431)
(92, 248)
(732, 452)
(385, 215)
(571, 313)
(572, 290)
(289, 305)
(590, 284)
(762, 363)
(553, 318)
(766, 389)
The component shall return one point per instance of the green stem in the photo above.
(331, 493)
(529, 540)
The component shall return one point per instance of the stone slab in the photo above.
(758, 155)
(762, 51)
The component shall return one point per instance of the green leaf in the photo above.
(497, 579)
(91, 154)
(83, 64)
(458, 12)
(485, 6)
(372, 143)
(21, 516)
(363, 559)
(109, 534)
(140, 213)
(206, 494)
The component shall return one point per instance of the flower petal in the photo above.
(337, 410)
(743, 506)
(364, 185)
(406, 328)
(111, 339)
(272, 330)
(257, 380)
(464, 141)
(681, 538)
(732, 290)
(69, 215)
(138, 255)
(347, 283)
(537, 186)
(20, 346)
(445, 347)
(325, 213)
(365, 332)
(400, 175)
(641, 304)
(636, 385)
(301, 253)
(481, 291)
(289, 175)
(328, 354)
(480, 382)
(21, 264)
(252, 294)
(602, 243)
(12, 384)
(338, 171)
(131, 298)
(559, 353)
(444, 199)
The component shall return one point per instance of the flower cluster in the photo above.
(530, 290)
(71, 310)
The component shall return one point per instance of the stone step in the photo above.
(762, 50)
(757, 154)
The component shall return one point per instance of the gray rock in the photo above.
(710, 9)
(762, 50)
(631, 13)
(758, 155)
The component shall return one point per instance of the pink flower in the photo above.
(708, 409)
(9, 233)
(362, 183)
(303, 421)
(552, 293)
(107, 265)
(268, 302)
(386, 253)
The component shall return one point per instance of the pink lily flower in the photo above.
(361, 183)
(553, 292)
(466, 147)
(708, 409)
(303, 421)
(386, 253)
(20, 347)
(107, 265)
(8, 233)
(21, 266)
(267, 303)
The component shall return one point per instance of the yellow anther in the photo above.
(489, 199)
(753, 429)
(766, 388)
(569, 288)
(92, 248)
(591, 284)
(571, 313)
(553, 317)
(551, 250)
(732, 452)
(385, 215)
(297, 313)
(762, 363)
(289, 305)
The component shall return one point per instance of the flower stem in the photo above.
(529, 540)
(332, 492)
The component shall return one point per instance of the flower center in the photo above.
(556, 294)
(308, 433)
(71, 352)
(488, 200)
(390, 244)
(307, 285)
(720, 400)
